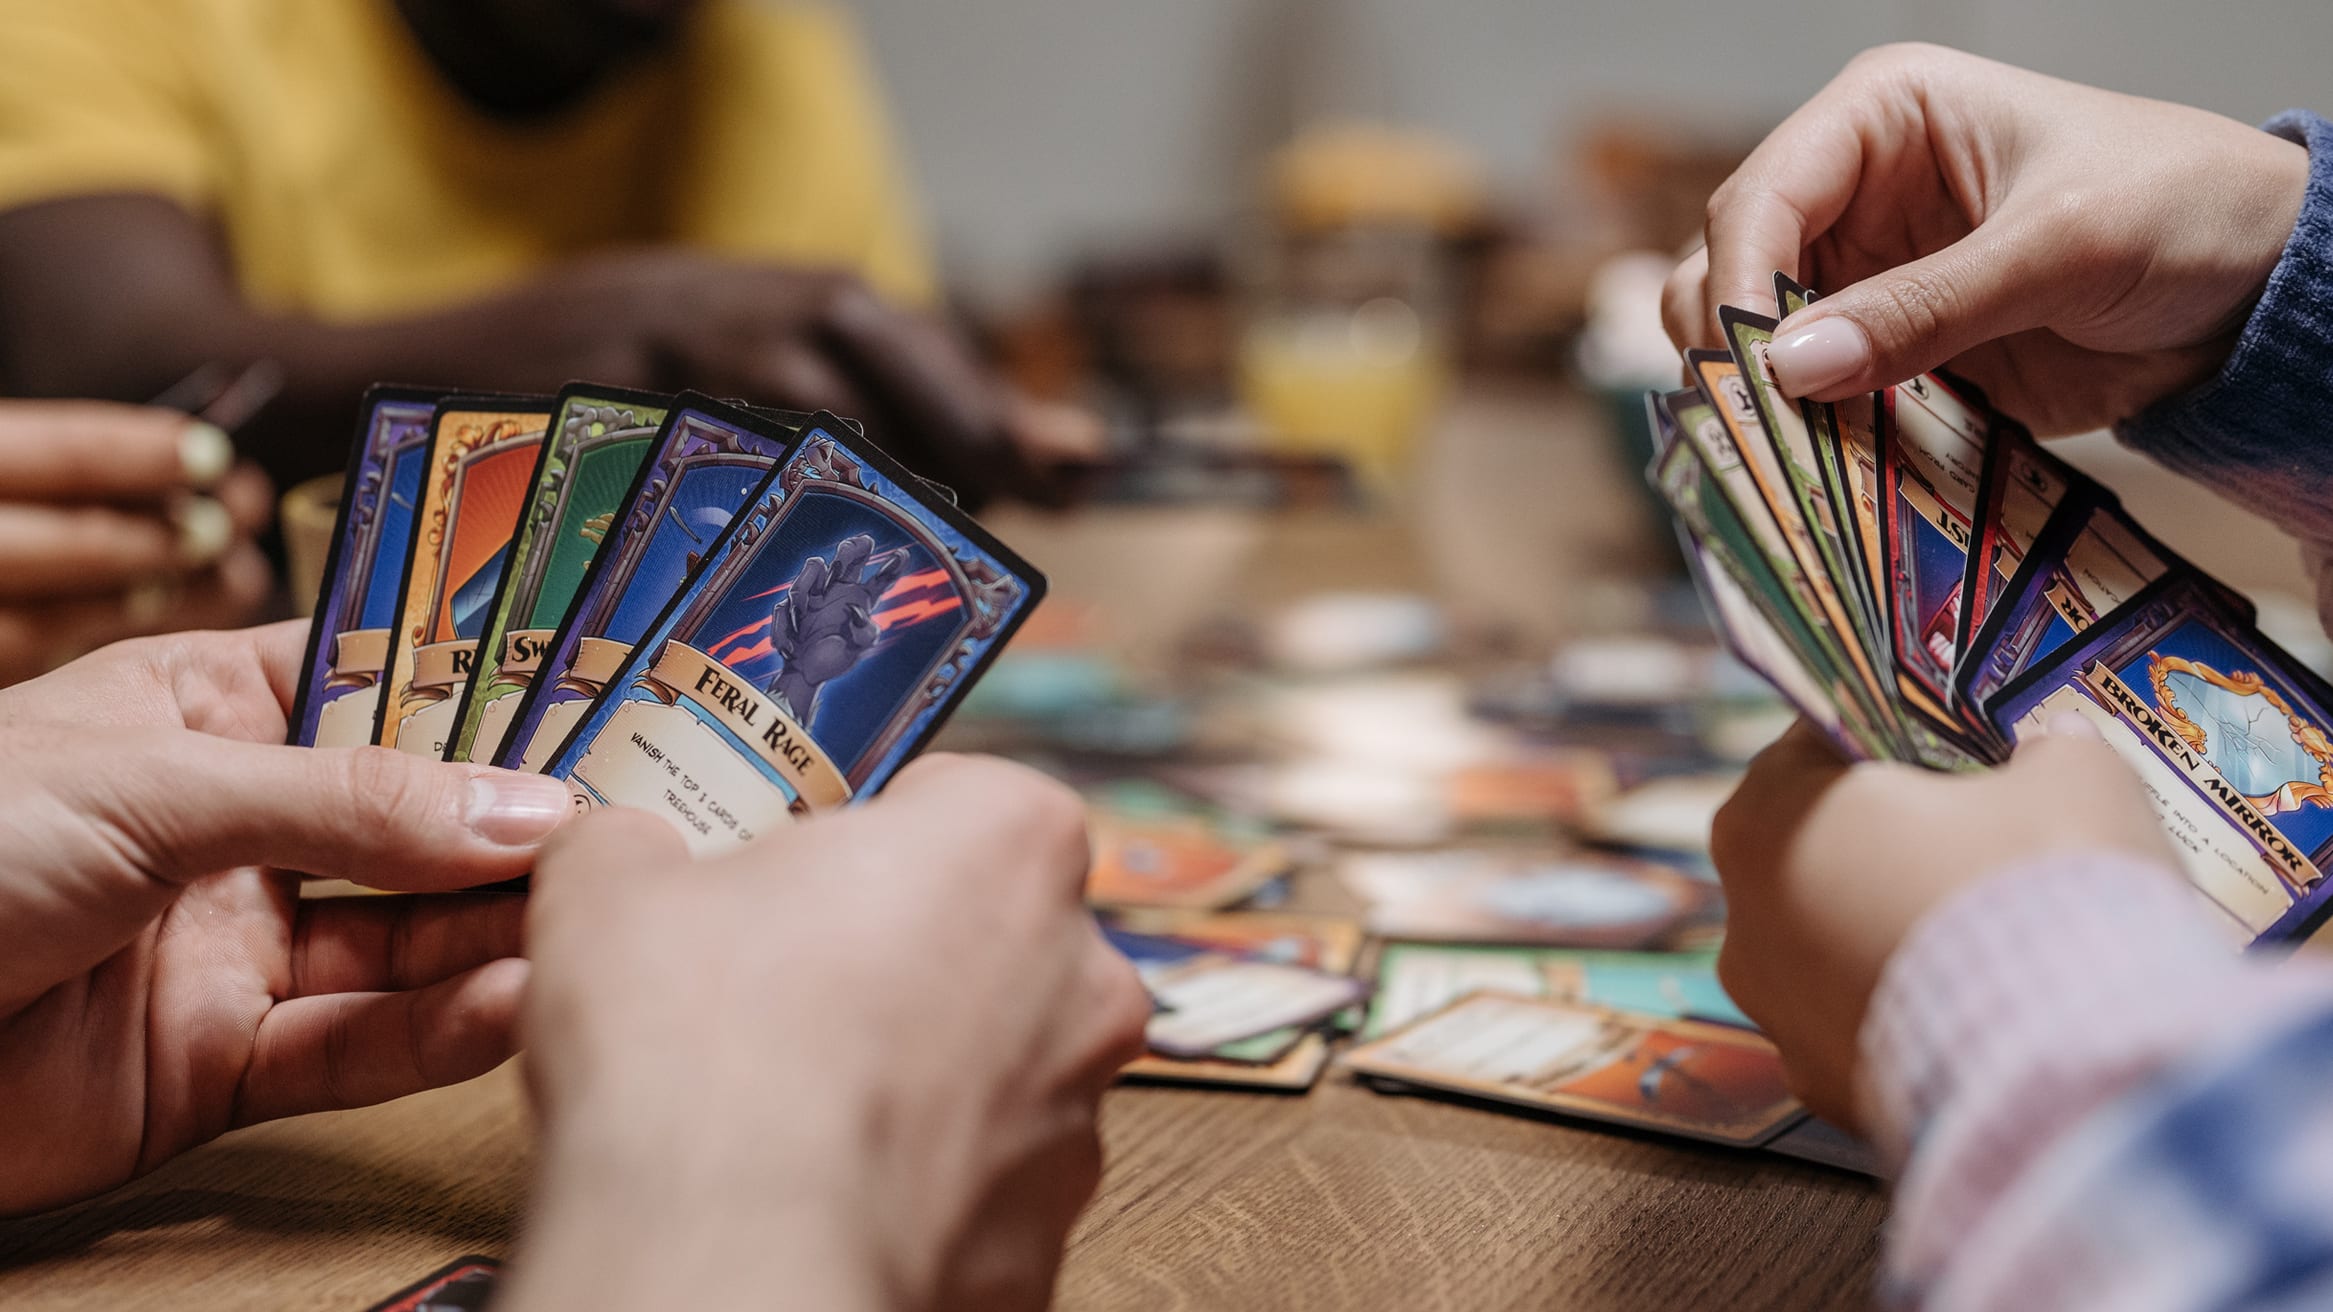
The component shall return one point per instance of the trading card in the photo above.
(1747, 472)
(706, 462)
(1753, 640)
(2092, 560)
(1936, 737)
(1415, 979)
(1931, 443)
(1687, 1078)
(1747, 599)
(599, 437)
(2021, 489)
(1319, 942)
(1850, 477)
(1813, 1139)
(1792, 440)
(1411, 720)
(1556, 898)
(1178, 861)
(1216, 999)
(2228, 734)
(1359, 801)
(1552, 786)
(1160, 958)
(339, 694)
(825, 636)
(1669, 814)
(462, 1285)
(482, 456)
(1853, 430)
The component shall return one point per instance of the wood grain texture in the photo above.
(1341, 1199)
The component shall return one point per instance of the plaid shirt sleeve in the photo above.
(2093, 1102)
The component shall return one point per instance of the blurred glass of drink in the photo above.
(1358, 382)
(1345, 344)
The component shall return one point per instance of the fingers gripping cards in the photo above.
(1921, 534)
(339, 695)
(828, 631)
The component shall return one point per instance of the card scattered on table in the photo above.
(1688, 1078)
(1563, 897)
(1286, 1060)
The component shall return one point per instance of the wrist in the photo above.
(2011, 965)
(2240, 430)
(695, 1207)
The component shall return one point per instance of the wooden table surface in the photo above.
(1340, 1198)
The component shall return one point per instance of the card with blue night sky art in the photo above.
(705, 463)
(824, 637)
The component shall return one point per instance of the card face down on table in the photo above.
(727, 616)
(1928, 584)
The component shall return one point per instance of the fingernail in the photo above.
(2071, 724)
(204, 530)
(1829, 350)
(205, 454)
(515, 809)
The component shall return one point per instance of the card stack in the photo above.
(729, 616)
(1928, 585)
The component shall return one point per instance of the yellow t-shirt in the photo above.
(353, 182)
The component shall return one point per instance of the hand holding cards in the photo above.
(1928, 585)
(728, 617)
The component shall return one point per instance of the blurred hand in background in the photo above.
(118, 520)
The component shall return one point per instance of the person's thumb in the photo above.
(179, 806)
(1912, 318)
(2101, 803)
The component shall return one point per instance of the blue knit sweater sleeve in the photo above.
(2262, 431)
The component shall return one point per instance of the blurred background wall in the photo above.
(1043, 128)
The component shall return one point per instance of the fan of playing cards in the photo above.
(1928, 585)
(727, 616)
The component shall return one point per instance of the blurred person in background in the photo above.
(480, 193)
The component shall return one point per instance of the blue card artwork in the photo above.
(827, 632)
(2231, 736)
(339, 691)
(707, 462)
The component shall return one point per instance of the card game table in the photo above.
(1338, 1198)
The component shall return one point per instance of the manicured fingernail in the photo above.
(517, 809)
(1826, 351)
(204, 530)
(205, 454)
(2072, 724)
